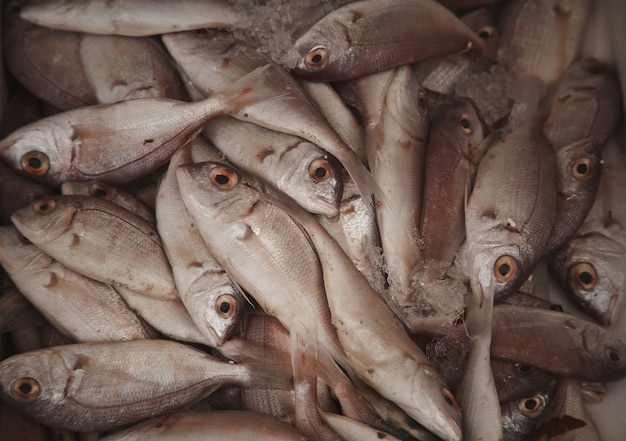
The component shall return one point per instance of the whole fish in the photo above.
(134, 18)
(438, 410)
(82, 387)
(77, 230)
(214, 302)
(350, 42)
(79, 307)
(120, 141)
(122, 68)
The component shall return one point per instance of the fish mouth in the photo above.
(325, 208)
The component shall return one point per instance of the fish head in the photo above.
(580, 166)
(219, 189)
(522, 416)
(495, 270)
(221, 306)
(33, 382)
(314, 180)
(465, 126)
(316, 56)
(46, 219)
(590, 271)
(515, 380)
(38, 150)
(436, 406)
(606, 351)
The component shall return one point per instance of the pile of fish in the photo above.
(381, 219)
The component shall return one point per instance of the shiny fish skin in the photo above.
(139, 135)
(84, 386)
(213, 301)
(132, 18)
(348, 42)
(75, 230)
(79, 307)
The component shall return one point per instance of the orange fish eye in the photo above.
(102, 191)
(505, 269)
(584, 276)
(465, 124)
(447, 395)
(320, 170)
(44, 206)
(582, 169)
(487, 32)
(25, 388)
(226, 306)
(35, 163)
(613, 356)
(224, 178)
(317, 58)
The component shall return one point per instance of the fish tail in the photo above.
(248, 90)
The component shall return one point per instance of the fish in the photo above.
(348, 43)
(515, 380)
(77, 230)
(520, 418)
(131, 17)
(120, 141)
(82, 386)
(213, 301)
(79, 307)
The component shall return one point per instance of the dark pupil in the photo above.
(25, 388)
(614, 356)
(100, 193)
(466, 125)
(317, 58)
(524, 368)
(585, 277)
(421, 103)
(483, 34)
(448, 400)
(221, 179)
(202, 31)
(320, 172)
(34, 163)
(44, 207)
(504, 269)
(224, 307)
(530, 404)
(581, 169)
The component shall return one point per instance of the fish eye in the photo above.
(320, 170)
(226, 306)
(531, 406)
(102, 191)
(487, 32)
(524, 369)
(584, 276)
(594, 66)
(505, 269)
(317, 58)
(224, 178)
(44, 206)
(25, 388)
(582, 169)
(447, 395)
(422, 103)
(465, 124)
(202, 32)
(35, 163)
(613, 356)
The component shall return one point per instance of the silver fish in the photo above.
(120, 141)
(83, 386)
(350, 42)
(520, 418)
(77, 230)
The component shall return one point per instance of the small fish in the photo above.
(375, 35)
(120, 141)
(83, 386)
(520, 418)
(101, 240)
